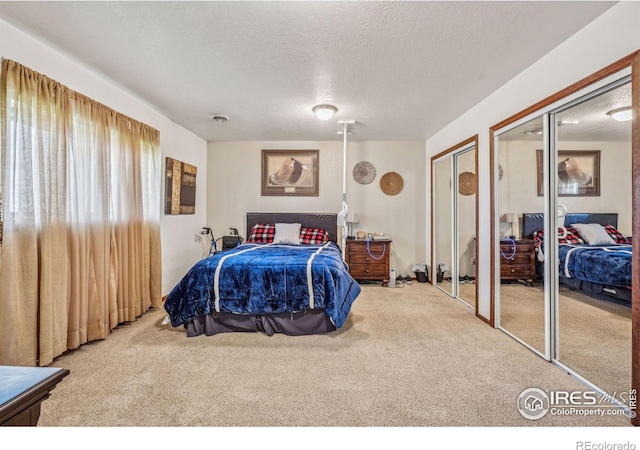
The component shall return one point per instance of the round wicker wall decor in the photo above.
(467, 183)
(364, 172)
(391, 183)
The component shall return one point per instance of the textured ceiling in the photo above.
(401, 70)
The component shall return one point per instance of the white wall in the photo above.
(179, 247)
(234, 170)
(610, 37)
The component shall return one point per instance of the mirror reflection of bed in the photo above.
(594, 317)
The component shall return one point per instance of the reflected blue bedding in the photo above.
(602, 264)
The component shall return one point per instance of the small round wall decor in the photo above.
(364, 172)
(391, 183)
(467, 183)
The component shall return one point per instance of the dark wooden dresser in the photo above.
(368, 260)
(23, 389)
(517, 263)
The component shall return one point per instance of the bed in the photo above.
(262, 286)
(602, 270)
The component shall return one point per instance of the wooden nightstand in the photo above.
(368, 262)
(518, 263)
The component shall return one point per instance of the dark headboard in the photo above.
(535, 221)
(327, 222)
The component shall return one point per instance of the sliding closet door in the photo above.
(443, 224)
(455, 224)
(593, 309)
(520, 284)
(465, 207)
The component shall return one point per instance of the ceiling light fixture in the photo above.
(621, 114)
(324, 112)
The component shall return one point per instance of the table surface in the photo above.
(15, 380)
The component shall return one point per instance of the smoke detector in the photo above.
(220, 118)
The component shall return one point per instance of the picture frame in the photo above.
(578, 173)
(290, 172)
(180, 187)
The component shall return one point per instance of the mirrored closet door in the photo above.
(593, 309)
(443, 224)
(454, 203)
(519, 187)
(563, 222)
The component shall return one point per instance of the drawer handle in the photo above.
(513, 270)
(366, 259)
(367, 270)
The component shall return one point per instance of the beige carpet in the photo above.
(410, 357)
(595, 335)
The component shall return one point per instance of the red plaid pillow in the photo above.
(617, 237)
(313, 236)
(538, 238)
(262, 233)
(572, 237)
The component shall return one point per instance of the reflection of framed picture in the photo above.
(290, 172)
(578, 173)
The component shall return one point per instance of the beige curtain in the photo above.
(81, 206)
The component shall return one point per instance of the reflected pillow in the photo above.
(618, 237)
(287, 233)
(593, 233)
(572, 237)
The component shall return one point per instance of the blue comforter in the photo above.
(262, 279)
(602, 264)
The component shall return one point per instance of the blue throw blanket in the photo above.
(261, 279)
(601, 264)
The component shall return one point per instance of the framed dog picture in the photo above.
(578, 173)
(290, 172)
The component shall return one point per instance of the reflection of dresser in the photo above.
(368, 262)
(517, 263)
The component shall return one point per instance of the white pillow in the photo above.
(287, 233)
(593, 233)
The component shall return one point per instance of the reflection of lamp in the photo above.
(621, 114)
(351, 219)
(511, 218)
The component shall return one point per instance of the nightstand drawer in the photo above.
(376, 248)
(518, 258)
(515, 271)
(365, 258)
(368, 270)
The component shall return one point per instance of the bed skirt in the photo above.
(618, 293)
(313, 321)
